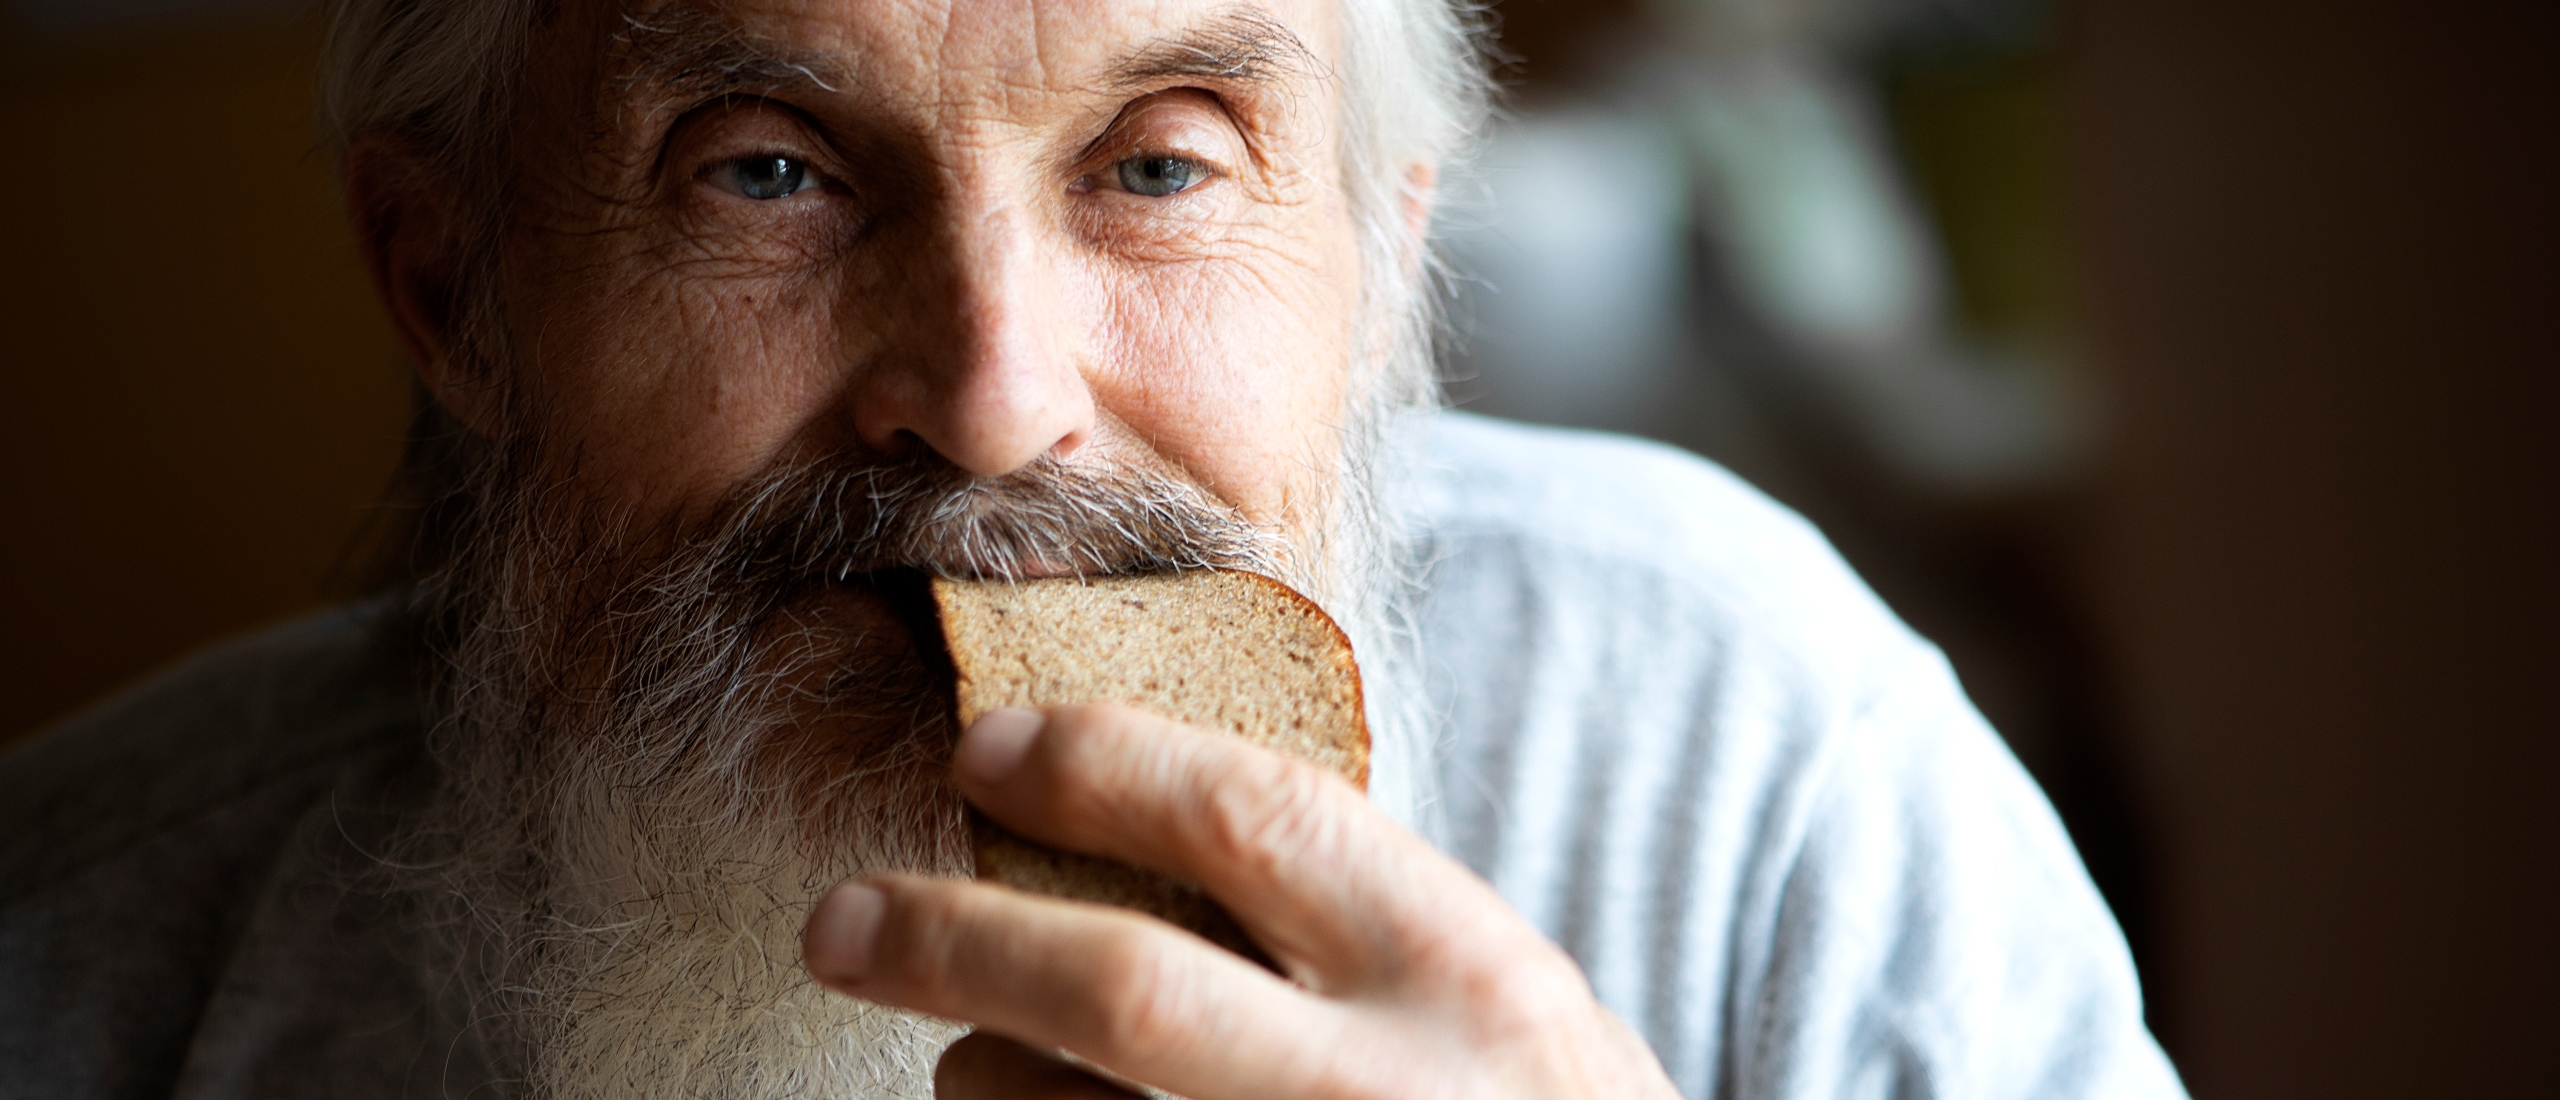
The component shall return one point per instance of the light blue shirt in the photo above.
(1688, 743)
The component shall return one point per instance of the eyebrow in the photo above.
(684, 49)
(1243, 45)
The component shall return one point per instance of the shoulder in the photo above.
(226, 726)
(1616, 632)
(1690, 744)
(1641, 533)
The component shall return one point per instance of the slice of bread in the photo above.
(1225, 651)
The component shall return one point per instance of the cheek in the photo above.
(671, 380)
(1234, 369)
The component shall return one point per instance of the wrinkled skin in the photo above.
(917, 225)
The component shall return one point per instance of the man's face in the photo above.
(755, 231)
(805, 277)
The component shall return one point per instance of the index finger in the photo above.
(1338, 893)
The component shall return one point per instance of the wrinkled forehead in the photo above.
(980, 56)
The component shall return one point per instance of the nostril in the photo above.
(902, 443)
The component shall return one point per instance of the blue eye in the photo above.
(1158, 177)
(768, 177)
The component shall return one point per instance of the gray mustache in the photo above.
(834, 520)
(664, 652)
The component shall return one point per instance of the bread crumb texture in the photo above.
(1219, 650)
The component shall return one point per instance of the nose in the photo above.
(983, 366)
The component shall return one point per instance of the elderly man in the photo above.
(728, 314)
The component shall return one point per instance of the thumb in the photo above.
(987, 1066)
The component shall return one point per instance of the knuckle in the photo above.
(1081, 810)
(1266, 813)
(931, 927)
(1074, 783)
(1517, 996)
(1094, 749)
(1142, 996)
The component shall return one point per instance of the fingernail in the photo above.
(997, 742)
(838, 947)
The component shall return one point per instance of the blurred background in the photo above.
(2181, 367)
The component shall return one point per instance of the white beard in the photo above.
(673, 968)
(626, 877)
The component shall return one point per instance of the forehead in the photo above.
(948, 52)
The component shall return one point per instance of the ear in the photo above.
(1421, 191)
(408, 229)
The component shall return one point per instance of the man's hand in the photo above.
(1407, 975)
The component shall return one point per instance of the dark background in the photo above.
(2274, 640)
